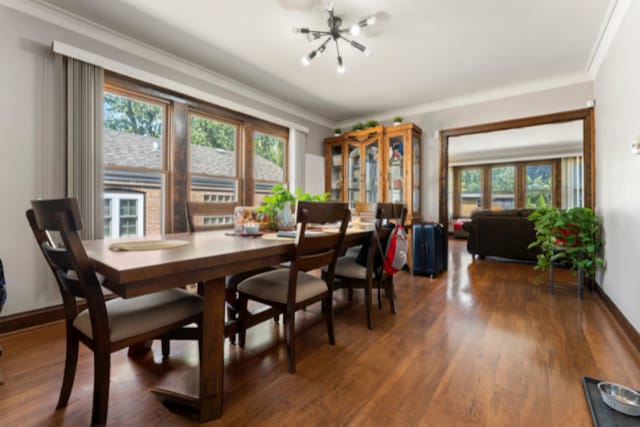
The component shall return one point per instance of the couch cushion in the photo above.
(136, 316)
(274, 286)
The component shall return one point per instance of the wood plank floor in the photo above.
(481, 345)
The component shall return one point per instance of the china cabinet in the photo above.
(376, 164)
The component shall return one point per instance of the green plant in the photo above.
(371, 124)
(358, 126)
(279, 196)
(569, 236)
(397, 119)
(337, 131)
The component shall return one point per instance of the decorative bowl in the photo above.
(620, 398)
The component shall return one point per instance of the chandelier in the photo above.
(335, 33)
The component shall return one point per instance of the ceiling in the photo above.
(423, 50)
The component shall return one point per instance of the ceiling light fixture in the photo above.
(335, 33)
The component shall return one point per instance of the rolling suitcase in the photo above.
(428, 249)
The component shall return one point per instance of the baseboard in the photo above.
(28, 319)
(632, 334)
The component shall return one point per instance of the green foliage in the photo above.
(471, 181)
(269, 147)
(358, 126)
(397, 119)
(280, 195)
(503, 179)
(210, 133)
(337, 131)
(129, 115)
(571, 236)
(371, 124)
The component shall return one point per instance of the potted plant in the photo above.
(337, 132)
(358, 126)
(278, 206)
(397, 120)
(371, 124)
(570, 236)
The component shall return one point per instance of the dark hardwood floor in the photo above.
(479, 345)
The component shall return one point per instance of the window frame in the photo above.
(519, 184)
(176, 145)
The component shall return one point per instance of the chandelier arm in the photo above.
(362, 48)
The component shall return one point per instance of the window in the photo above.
(214, 159)
(269, 162)
(539, 185)
(503, 183)
(134, 129)
(471, 191)
(212, 155)
(123, 214)
(508, 186)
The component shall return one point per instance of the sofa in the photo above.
(506, 234)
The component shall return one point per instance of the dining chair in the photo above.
(292, 289)
(104, 326)
(197, 212)
(350, 272)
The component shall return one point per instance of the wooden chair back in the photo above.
(386, 213)
(198, 211)
(366, 211)
(316, 250)
(69, 262)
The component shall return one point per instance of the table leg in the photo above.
(212, 355)
(208, 403)
(551, 278)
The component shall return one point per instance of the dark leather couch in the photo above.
(505, 234)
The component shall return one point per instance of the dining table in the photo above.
(205, 257)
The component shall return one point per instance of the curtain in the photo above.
(572, 182)
(297, 150)
(85, 85)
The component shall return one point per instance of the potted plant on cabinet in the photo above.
(570, 236)
(397, 120)
(337, 132)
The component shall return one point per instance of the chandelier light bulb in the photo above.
(305, 61)
(368, 52)
(341, 68)
(355, 30)
(372, 20)
(295, 30)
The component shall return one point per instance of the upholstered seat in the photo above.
(347, 267)
(135, 316)
(274, 285)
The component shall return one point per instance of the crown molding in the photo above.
(478, 97)
(49, 13)
(608, 30)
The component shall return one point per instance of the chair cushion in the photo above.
(139, 315)
(273, 286)
(348, 267)
(353, 251)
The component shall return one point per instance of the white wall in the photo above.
(532, 104)
(32, 143)
(617, 94)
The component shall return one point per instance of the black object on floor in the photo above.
(429, 257)
(602, 415)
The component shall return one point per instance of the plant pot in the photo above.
(284, 218)
(397, 123)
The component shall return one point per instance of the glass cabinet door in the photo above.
(335, 191)
(353, 175)
(371, 165)
(396, 169)
(416, 175)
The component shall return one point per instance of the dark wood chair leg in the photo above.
(101, 374)
(290, 337)
(70, 364)
(1, 377)
(391, 294)
(328, 313)
(244, 317)
(367, 304)
(166, 347)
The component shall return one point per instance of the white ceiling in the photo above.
(541, 141)
(424, 50)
